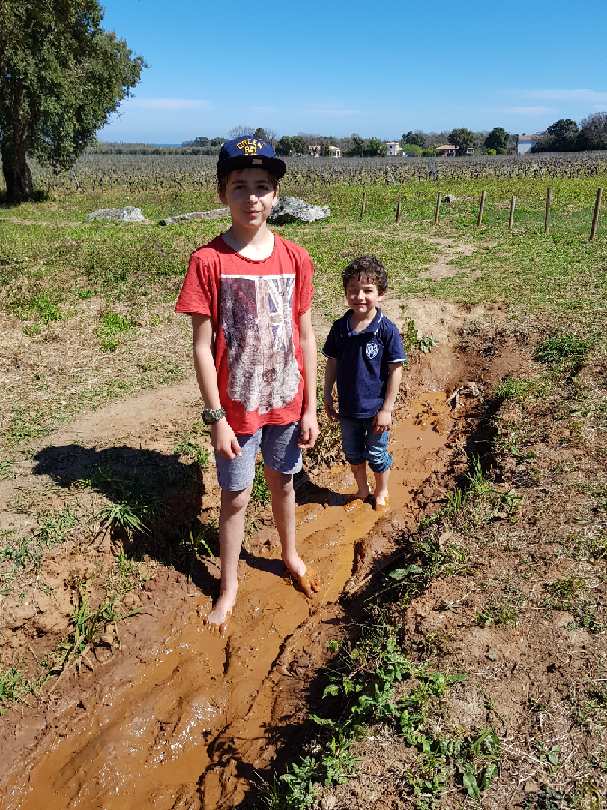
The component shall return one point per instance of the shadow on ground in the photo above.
(155, 501)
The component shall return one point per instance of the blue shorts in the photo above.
(361, 443)
(279, 449)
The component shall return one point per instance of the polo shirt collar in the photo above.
(373, 327)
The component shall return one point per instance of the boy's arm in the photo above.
(330, 377)
(308, 426)
(383, 418)
(222, 435)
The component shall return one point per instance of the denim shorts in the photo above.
(361, 443)
(279, 449)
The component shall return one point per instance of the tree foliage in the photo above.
(463, 138)
(497, 139)
(61, 76)
(416, 138)
(562, 136)
(593, 133)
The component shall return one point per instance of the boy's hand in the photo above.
(382, 421)
(224, 439)
(308, 430)
(330, 410)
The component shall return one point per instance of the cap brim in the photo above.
(274, 165)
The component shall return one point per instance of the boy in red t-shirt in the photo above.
(249, 293)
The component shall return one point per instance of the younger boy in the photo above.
(249, 294)
(364, 354)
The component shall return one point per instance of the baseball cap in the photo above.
(246, 152)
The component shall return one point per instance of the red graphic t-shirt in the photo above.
(254, 308)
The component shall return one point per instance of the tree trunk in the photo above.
(17, 174)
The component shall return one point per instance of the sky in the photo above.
(336, 67)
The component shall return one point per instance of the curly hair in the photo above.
(369, 268)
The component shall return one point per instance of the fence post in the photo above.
(595, 215)
(397, 217)
(481, 208)
(547, 213)
(439, 198)
(512, 207)
(363, 206)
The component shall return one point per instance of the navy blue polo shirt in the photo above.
(362, 363)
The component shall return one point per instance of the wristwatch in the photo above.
(212, 415)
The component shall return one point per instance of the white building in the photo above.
(334, 151)
(393, 148)
(526, 142)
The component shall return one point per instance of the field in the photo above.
(458, 654)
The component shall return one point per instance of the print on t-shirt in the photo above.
(257, 321)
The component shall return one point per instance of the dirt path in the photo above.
(184, 717)
(180, 717)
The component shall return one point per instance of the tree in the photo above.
(298, 145)
(358, 144)
(412, 149)
(562, 136)
(416, 138)
(374, 148)
(462, 138)
(593, 132)
(284, 146)
(239, 130)
(497, 139)
(61, 76)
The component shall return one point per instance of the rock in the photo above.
(215, 213)
(292, 209)
(126, 214)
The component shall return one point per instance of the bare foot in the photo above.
(350, 501)
(305, 579)
(381, 503)
(217, 619)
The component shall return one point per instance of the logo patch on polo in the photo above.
(371, 349)
(249, 146)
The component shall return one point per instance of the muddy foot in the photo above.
(217, 619)
(308, 582)
(381, 504)
(354, 501)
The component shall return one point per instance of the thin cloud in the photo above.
(331, 112)
(526, 110)
(581, 95)
(169, 103)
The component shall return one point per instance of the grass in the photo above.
(111, 327)
(100, 298)
(130, 276)
(26, 553)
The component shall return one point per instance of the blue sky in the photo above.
(336, 68)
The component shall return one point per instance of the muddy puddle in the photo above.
(185, 724)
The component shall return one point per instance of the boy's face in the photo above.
(362, 295)
(250, 195)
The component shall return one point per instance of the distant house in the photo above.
(334, 151)
(393, 148)
(446, 150)
(526, 142)
(314, 150)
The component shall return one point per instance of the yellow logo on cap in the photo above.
(250, 146)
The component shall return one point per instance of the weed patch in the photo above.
(566, 352)
(112, 326)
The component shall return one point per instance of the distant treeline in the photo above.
(566, 136)
(563, 136)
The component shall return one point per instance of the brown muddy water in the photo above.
(186, 725)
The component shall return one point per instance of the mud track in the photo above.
(185, 718)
